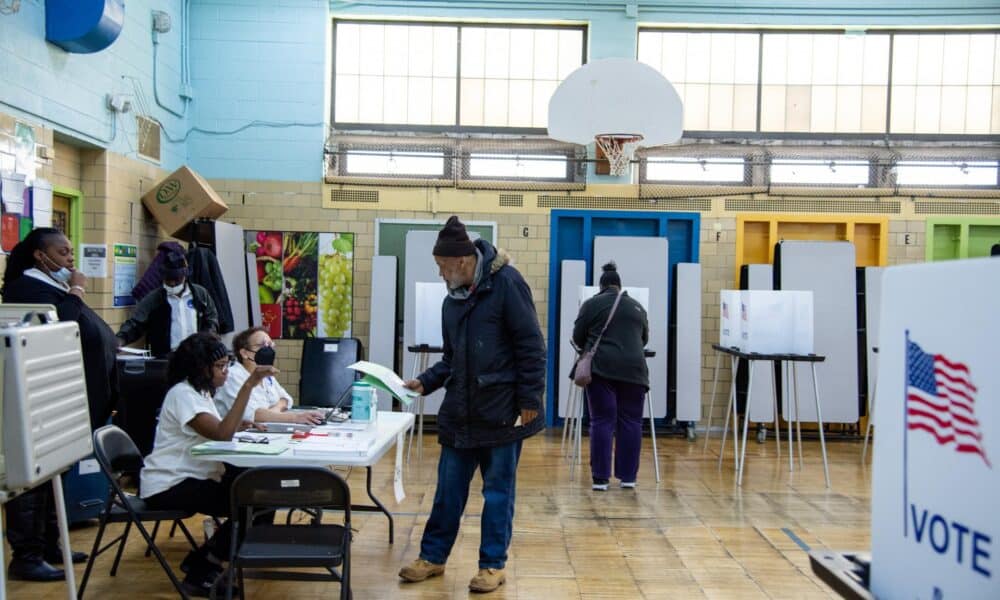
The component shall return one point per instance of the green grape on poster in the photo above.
(336, 284)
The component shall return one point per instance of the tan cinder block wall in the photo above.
(112, 185)
(298, 207)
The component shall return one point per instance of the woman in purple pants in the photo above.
(620, 379)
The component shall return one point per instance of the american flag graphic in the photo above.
(941, 399)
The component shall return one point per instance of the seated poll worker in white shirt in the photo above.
(269, 402)
(172, 478)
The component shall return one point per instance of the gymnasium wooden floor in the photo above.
(694, 535)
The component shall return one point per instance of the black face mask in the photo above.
(264, 356)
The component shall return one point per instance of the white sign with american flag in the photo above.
(935, 490)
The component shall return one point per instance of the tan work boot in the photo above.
(487, 580)
(420, 570)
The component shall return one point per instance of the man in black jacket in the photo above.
(493, 370)
(168, 315)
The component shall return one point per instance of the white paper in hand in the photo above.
(386, 379)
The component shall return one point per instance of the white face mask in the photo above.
(174, 290)
(61, 274)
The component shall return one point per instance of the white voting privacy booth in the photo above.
(828, 270)
(644, 262)
(936, 469)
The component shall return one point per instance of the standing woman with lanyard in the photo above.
(618, 325)
(40, 271)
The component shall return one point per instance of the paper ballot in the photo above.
(384, 379)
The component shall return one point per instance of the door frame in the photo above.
(75, 214)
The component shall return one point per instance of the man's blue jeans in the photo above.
(456, 467)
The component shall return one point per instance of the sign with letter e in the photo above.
(936, 472)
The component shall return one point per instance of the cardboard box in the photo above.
(180, 198)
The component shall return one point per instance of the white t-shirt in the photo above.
(171, 462)
(266, 395)
(183, 316)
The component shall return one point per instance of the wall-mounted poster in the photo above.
(304, 282)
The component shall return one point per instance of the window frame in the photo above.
(885, 134)
(568, 176)
(747, 171)
(456, 127)
(950, 186)
(447, 159)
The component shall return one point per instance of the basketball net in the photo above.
(619, 149)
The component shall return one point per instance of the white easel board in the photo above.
(828, 270)
(687, 352)
(644, 262)
(574, 275)
(230, 251)
(873, 299)
(935, 531)
(430, 296)
(382, 330)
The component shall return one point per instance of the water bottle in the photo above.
(361, 402)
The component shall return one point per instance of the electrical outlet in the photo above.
(119, 103)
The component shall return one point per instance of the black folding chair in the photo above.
(270, 546)
(117, 454)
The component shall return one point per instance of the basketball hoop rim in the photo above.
(619, 138)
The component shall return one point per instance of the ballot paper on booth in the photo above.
(936, 473)
(729, 318)
(776, 322)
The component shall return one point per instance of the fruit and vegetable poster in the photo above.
(304, 282)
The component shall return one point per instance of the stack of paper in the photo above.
(344, 442)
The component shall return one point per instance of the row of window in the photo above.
(678, 170)
(500, 77)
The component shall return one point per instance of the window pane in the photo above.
(705, 68)
(532, 166)
(946, 173)
(513, 72)
(813, 82)
(395, 63)
(706, 170)
(404, 163)
(348, 44)
(953, 74)
(817, 172)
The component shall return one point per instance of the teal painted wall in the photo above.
(42, 84)
(260, 68)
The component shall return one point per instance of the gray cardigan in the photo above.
(620, 356)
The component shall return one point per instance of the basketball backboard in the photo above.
(616, 96)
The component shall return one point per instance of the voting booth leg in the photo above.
(730, 412)
(652, 436)
(419, 366)
(67, 552)
(774, 403)
(746, 425)
(871, 416)
(711, 399)
(798, 422)
(819, 419)
(787, 398)
(568, 420)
